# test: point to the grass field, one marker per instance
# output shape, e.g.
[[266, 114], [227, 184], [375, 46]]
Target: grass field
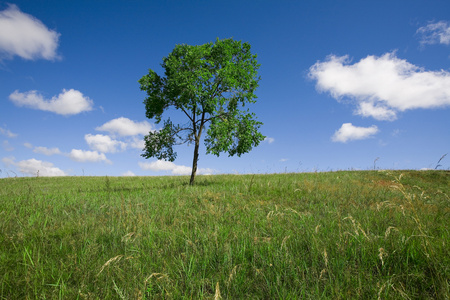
[[334, 235]]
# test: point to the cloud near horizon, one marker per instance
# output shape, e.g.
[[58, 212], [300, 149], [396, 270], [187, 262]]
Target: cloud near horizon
[[25, 36], [380, 87], [35, 167], [128, 173], [349, 132], [162, 165], [69, 102]]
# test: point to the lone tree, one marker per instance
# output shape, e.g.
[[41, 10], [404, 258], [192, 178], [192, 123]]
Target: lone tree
[[210, 84]]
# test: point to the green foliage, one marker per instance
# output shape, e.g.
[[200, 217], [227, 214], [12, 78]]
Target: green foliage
[[209, 83]]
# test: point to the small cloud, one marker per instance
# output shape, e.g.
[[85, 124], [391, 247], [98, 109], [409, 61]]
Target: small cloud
[[8, 161], [35, 167], [46, 151], [7, 146], [435, 33], [104, 143], [396, 132], [283, 159], [28, 145], [87, 156], [382, 143], [269, 140], [25, 36], [128, 173], [69, 102], [126, 127], [7, 133], [380, 87], [348, 132], [162, 165]]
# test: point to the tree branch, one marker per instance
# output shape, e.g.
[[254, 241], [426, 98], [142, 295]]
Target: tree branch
[[218, 116], [182, 109]]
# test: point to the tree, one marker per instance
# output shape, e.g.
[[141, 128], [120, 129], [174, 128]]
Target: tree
[[210, 84]]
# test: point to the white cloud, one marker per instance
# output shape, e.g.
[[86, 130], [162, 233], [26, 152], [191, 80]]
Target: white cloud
[[8, 161], [269, 140], [28, 145], [125, 127], [128, 173], [283, 159], [104, 143], [35, 167], [348, 132], [87, 156], [25, 36], [8, 133], [435, 33], [382, 86], [46, 151], [162, 165], [137, 143], [69, 102]]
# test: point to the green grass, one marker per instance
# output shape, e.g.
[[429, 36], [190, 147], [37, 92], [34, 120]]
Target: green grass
[[335, 235]]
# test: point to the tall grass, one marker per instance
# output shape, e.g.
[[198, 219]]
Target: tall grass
[[336, 235]]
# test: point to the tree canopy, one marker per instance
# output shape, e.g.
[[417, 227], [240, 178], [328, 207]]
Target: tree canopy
[[211, 85]]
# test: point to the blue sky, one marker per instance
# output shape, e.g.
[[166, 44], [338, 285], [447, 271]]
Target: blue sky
[[344, 84]]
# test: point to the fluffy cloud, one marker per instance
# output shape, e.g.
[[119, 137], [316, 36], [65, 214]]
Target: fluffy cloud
[[269, 140], [8, 133], [125, 127], [87, 156], [35, 167], [69, 102], [128, 173], [46, 151], [104, 143], [25, 36], [382, 86], [435, 33], [162, 165], [348, 132]]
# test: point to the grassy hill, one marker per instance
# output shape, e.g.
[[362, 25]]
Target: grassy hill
[[335, 235]]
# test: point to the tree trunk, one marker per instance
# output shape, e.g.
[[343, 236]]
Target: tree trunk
[[194, 162]]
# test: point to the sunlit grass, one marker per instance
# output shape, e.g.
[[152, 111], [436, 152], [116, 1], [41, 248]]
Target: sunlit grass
[[335, 235]]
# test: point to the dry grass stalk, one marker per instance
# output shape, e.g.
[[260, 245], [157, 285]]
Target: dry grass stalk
[[283, 243], [117, 258], [217, 295], [388, 231], [357, 226], [325, 257], [232, 274], [382, 253], [158, 276]]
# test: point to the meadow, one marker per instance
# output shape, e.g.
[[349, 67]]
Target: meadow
[[330, 235]]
